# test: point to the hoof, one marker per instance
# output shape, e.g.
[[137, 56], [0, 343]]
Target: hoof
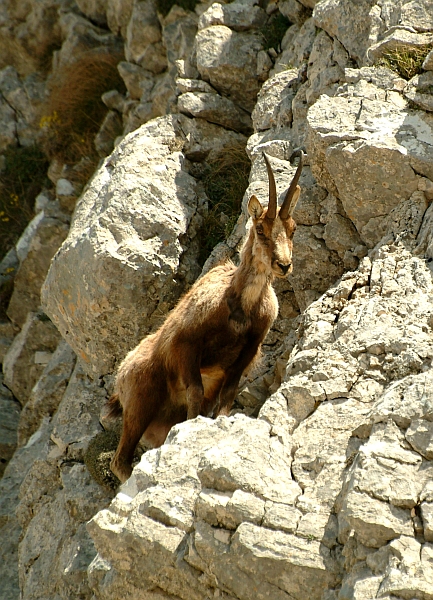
[[121, 469]]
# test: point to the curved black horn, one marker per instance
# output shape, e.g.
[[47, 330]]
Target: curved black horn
[[288, 206], [272, 205]]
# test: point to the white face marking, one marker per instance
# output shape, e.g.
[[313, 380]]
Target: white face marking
[[273, 249]]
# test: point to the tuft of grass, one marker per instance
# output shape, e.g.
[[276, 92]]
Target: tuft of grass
[[405, 60], [225, 183], [274, 31], [164, 6], [75, 110], [23, 176]]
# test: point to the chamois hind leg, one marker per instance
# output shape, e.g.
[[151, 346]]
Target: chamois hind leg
[[144, 395], [132, 429]]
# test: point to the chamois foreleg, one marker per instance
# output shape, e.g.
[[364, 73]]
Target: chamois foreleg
[[188, 369], [233, 375]]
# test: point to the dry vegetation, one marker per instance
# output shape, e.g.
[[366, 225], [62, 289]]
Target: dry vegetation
[[75, 109], [22, 178], [71, 119], [274, 31], [164, 6], [405, 60], [225, 183]]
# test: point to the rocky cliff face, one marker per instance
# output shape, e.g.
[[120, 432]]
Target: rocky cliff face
[[320, 485]]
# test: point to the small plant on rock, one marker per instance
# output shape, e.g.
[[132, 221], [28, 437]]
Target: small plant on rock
[[405, 60]]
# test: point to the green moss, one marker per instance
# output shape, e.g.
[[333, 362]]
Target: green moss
[[405, 60], [225, 183], [274, 31], [98, 457]]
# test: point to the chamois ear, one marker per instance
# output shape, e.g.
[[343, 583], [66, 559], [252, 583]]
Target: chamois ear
[[255, 209]]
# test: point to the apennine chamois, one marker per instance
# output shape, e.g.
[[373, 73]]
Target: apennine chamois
[[192, 365]]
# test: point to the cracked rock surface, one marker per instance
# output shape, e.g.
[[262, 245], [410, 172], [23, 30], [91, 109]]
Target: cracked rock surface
[[330, 486]]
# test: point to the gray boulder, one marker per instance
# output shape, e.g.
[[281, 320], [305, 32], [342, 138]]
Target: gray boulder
[[40, 241], [113, 278], [228, 61], [28, 354], [215, 109], [368, 152]]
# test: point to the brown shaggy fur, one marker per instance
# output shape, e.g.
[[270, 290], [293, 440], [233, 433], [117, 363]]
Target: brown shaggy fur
[[192, 365]]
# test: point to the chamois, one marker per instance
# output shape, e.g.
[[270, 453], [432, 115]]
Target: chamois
[[193, 364]]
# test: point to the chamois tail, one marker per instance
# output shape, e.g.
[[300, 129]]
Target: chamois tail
[[114, 407]]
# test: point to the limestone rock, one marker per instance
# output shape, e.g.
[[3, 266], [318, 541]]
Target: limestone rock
[[239, 16], [309, 3], [178, 35], [274, 102], [20, 102], [143, 38], [206, 140], [76, 421], [133, 237], [80, 35], [419, 436], [211, 453], [427, 65], [294, 11], [326, 62], [419, 91], [382, 77], [44, 235], [417, 15], [185, 85], [10, 528], [410, 577], [139, 82], [355, 142], [47, 393], [215, 109], [399, 38], [95, 10], [20, 369], [7, 333], [110, 129], [118, 15], [10, 411], [427, 517], [228, 61], [296, 45], [349, 22]]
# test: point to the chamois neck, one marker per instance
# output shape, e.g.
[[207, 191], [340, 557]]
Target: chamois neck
[[252, 277]]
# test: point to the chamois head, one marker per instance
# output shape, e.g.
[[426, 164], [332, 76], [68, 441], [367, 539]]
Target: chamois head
[[273, 229]]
